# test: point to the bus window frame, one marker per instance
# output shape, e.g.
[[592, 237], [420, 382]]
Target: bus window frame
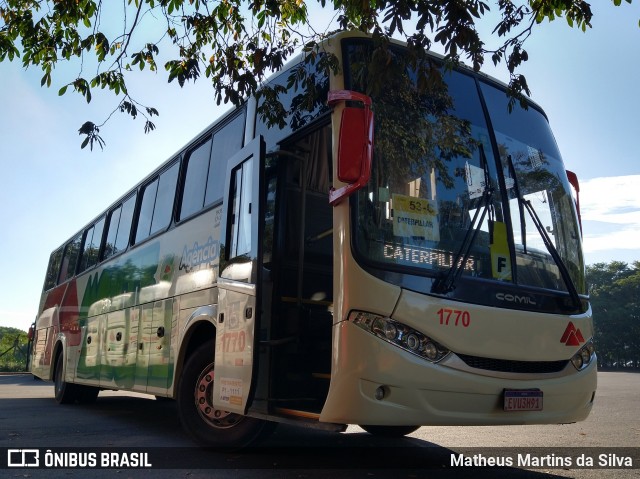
[[120, 205], [49, 285], [133, 236], [186, 161], [208, 135], [70, 274]]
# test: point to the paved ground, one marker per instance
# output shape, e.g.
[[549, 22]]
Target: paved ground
[[30, 419]]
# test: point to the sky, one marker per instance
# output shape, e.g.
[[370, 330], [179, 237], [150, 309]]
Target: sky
[[586, 82]]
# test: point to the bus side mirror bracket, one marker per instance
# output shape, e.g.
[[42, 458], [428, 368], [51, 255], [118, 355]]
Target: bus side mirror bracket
[[355, 144], [573, 181]]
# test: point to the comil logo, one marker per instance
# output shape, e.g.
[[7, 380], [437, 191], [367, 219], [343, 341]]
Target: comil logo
[[514, 298], [572, 336], [23, 458]]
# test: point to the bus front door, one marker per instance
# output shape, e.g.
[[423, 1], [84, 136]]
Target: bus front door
[[239, 280]]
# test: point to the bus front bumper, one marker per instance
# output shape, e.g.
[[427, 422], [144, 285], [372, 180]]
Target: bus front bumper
[[417, 392]]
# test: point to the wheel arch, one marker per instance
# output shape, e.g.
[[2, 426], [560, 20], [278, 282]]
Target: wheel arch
[[199, 329]]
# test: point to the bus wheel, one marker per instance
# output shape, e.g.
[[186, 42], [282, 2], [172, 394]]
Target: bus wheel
[[390, 431], [65, 393], [206, 424]]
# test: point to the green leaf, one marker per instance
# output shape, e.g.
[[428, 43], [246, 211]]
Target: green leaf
[[44, 79], [62, 90]]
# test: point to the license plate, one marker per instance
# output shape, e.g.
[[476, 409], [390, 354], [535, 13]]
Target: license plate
[[522, 400]]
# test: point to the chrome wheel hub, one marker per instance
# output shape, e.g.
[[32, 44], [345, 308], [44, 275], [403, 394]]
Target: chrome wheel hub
[[203, 399]]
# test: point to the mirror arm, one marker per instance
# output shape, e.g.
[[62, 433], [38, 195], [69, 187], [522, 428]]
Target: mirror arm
[[336, 196], [573, 181]]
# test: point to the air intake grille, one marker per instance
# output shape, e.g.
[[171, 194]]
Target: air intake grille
[[508, 366]]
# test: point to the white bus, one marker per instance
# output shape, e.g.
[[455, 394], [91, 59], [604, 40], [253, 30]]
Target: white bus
[[396, 254]]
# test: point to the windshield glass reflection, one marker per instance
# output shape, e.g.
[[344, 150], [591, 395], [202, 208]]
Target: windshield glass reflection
[[428, 174], [526, 142], [434, 171]]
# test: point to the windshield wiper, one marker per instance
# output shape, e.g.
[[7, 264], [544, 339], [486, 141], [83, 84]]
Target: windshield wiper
[[564, 272], [516, 188], [445, 283]]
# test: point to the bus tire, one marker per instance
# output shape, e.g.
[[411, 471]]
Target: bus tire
[[65, 393], [207, 425], [390, 431]]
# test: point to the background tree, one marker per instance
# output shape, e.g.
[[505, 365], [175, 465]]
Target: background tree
[[235, 43], [13, 349], [615, 297]]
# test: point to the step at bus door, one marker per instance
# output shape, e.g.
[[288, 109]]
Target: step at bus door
[[240, 275]]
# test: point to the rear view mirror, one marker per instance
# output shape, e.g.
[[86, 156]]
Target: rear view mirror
[[355, 144]]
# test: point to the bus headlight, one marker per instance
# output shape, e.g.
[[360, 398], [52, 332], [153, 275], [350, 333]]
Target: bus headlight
[[399, 335], [584, 356]]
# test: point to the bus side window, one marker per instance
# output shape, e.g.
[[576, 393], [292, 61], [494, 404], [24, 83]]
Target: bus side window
[[241, 206], [163, 210], [157, 203], [112, 232], [119, 227], [195, 180], [206, 166], [124, 229], [92, 240], [146, 210], [226, 143], [70, 258], [54, 268]]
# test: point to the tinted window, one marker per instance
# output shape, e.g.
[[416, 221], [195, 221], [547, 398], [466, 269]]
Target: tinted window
[[53, 269], [195, 182], [528, 151], [157, 203], [124, 229], [114, 220], [299, 110], [70, 258], [119, 227], [241, 207], [93, 237], [226, 143], [529, 126], [163, 210], [146, 210], [207, 165], [432, 160]]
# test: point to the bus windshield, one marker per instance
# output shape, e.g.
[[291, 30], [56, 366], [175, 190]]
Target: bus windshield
[[436, 200], [528, 151]]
